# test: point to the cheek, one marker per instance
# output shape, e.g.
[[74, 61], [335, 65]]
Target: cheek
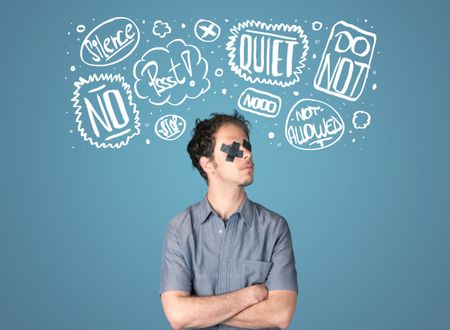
[[228, 167], [222, 156]]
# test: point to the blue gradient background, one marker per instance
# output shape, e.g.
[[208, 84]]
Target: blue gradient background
[[81, 229]]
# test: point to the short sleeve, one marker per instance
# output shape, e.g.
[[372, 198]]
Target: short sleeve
[[283, 274], [175, 272]]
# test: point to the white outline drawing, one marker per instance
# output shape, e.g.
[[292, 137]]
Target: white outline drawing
[[167, 29], [271, 30], [355, 118], [102, 48], [327, 78], [173, 80], [207, 30], [170, 128], [81, 28], [316, 25], [106, 78], [306, 113], [259, 102]]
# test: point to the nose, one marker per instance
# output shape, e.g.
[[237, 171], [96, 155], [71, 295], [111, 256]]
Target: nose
[[247, 153]]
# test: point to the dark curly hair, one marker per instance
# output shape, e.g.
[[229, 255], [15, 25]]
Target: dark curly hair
[[203, 141]]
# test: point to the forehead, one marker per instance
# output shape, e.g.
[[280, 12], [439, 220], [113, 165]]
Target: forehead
[[228, 133]]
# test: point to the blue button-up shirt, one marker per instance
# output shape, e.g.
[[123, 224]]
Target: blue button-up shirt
[[205, 257]]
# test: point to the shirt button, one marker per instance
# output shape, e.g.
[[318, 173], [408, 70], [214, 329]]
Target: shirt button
[[220, 231]]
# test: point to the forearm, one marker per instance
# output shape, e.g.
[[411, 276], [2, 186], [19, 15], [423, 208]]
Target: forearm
[[275, 312], [202, 312], [257, 316]]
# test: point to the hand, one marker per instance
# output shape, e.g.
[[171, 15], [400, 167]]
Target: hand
[[259, 292]]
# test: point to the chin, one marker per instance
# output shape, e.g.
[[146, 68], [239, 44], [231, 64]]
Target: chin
[[247, 182]]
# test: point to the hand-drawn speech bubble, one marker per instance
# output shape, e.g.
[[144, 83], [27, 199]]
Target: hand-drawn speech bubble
[[260, 103], [272, 54], [313, 125], [171, 74], [110, 42], [105, 112], [170, 127], [346, 61]]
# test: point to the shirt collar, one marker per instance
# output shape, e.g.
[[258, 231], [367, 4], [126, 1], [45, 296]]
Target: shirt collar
[[245, 210]]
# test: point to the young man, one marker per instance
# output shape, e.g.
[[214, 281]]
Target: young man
[[227, 262]]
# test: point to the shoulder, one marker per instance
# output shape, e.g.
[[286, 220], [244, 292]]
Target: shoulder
[[268, 217], [184, 222]]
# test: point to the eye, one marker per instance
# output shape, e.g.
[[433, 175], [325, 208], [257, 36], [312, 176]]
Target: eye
[[232, 151], [247, 145]]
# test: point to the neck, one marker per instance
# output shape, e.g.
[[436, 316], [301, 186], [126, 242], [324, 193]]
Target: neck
[[225, 200]]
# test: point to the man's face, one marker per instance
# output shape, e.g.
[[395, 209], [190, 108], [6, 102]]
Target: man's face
[[233, 164]]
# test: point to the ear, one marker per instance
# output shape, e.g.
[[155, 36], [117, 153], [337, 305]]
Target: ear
[[207, 165]]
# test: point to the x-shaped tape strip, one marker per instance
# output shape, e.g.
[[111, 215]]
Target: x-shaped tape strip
[[247, 145], [232, 151]]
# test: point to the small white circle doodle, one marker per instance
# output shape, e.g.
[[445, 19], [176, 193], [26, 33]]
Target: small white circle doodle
[[81, 28], [316, 25]]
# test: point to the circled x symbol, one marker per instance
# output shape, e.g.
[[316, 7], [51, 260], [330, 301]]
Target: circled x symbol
[[206, 31]]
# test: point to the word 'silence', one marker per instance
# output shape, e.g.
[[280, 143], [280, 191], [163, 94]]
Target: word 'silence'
[[110, 42]]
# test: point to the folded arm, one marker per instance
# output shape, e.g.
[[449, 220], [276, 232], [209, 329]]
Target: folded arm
[[276, 311], [185, 311]]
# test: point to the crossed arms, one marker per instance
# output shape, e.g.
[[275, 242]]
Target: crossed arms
[[252, 307]]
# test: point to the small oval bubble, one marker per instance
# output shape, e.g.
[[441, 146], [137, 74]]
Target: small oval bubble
[[81, 28]]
